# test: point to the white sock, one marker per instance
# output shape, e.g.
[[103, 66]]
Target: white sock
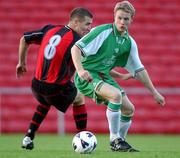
[[124, 127], [113, 118]]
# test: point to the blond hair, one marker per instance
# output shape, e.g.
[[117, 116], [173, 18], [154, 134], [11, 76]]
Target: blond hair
[[125, 6]]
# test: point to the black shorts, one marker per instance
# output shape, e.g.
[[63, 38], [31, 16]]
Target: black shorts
[[60, 96]]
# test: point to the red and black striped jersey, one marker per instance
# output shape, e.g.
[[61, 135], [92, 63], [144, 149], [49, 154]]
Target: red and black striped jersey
[[54, 62]]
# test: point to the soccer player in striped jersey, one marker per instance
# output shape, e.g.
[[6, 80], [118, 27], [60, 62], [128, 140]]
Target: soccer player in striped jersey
[[104, 48], [52, 83]]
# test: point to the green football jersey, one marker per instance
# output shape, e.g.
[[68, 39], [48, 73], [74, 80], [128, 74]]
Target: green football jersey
[[104, 48]]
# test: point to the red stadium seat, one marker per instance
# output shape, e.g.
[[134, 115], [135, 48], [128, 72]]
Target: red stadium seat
[[155, 28]]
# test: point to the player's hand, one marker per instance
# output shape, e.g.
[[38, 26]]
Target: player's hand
[[20, 70], [85, 75], [159, 98]]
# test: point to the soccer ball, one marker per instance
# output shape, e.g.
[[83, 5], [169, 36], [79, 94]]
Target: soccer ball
[[84, 142]]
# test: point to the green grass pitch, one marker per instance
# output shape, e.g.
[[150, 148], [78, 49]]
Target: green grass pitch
[[59, 146]]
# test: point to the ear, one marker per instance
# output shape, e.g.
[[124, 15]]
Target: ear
[[131, 20], [76, 20]]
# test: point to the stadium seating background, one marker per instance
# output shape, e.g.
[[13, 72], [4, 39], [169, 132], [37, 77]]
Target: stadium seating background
[[155, 28]]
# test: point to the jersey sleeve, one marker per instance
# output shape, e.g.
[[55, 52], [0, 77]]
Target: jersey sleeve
[[90, 43], [134, 63], [36, 36]]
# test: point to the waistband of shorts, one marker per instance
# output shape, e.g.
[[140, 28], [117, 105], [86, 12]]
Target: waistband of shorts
[[49, 84]]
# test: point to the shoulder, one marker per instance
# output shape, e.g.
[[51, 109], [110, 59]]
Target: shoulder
[[48, 26], [102, 28], [51, 26], [100, 31], [133, 42]]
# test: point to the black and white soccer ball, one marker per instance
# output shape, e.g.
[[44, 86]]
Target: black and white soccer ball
[[84, 142]]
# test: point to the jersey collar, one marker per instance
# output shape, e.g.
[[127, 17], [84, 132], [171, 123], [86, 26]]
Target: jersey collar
[[72, 30]]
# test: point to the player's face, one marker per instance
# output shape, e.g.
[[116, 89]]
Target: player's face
[[83, 27], [122, 20]]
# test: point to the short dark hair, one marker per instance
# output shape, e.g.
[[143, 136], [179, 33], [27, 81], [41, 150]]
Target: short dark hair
[[80, 13]]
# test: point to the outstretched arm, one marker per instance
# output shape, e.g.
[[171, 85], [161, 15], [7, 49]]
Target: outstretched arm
[[76, 57], [21, 66], [144, 78]]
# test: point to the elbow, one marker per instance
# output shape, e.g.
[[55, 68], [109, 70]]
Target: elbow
[[72, 49], [139, 72], [22, 39], [142, 76], [23, 42]]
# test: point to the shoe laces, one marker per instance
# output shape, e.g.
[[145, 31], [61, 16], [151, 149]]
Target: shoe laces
[[119, 143], [123, 142]]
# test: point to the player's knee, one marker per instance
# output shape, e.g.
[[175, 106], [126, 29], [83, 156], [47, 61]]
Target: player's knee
[[116, 97], [128, 111], [79, 100]]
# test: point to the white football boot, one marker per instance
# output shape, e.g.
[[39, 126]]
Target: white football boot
[[27, 143]]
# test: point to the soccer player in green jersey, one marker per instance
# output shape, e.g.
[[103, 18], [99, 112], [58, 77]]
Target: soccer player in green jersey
[[95, 55]]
